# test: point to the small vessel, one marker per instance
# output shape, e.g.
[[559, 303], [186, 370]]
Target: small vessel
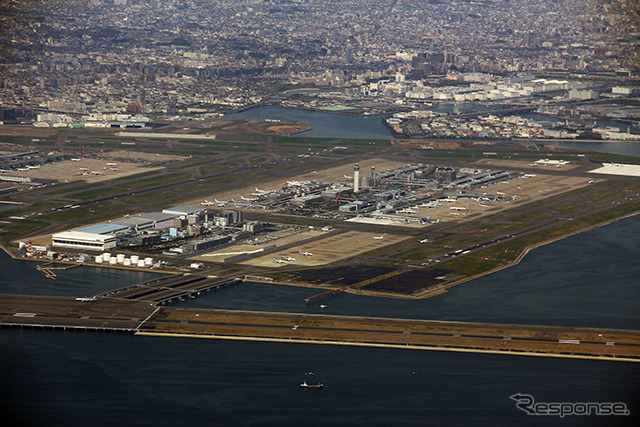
[[305, 385]]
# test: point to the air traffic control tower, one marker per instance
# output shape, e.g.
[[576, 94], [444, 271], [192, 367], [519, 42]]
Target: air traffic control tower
[[356, 178]]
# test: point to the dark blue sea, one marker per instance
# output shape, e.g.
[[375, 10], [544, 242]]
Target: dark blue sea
[[92, 379]]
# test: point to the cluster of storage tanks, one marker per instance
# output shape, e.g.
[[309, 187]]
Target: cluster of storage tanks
[[120, 259]]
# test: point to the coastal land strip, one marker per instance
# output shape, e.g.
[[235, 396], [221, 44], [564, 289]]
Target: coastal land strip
[[107, 314], [553, 341]]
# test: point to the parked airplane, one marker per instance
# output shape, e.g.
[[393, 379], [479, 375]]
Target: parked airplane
[[279, 261], [6, 170], [78, 159], [454, 213], [207, 203], [84, 169], [98, 173], [457, 208], [86, 299], [304, 253], [112, 164], [248, 199], [287, 258], [378, 237], [33, 167], [348, 178], [259, 191], [423, 241], [22, 169], [483, 206]]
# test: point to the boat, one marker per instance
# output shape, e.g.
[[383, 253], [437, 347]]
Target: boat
[[305, 385]]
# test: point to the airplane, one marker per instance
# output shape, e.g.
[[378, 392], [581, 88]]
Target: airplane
[[76, 159], [499, 193], [287, 258], [304, 253], [423, 241], [483, 206], [84, 169], [259, 191], [457, 208], [248, 199], [86, 299], [114, 169], [378, 237], [98, 173], [22, 169], [207, 203], [279, 261], [348, 178], [33, 167], [454, 213], [112, 164], [292, 183], [590, 181], [6, 170]]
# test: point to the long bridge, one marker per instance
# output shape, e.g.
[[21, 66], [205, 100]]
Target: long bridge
[[165, 290]]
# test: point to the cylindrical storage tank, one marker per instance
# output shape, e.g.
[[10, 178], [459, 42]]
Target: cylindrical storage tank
[[135, 259], [106, 256], [113, 261], [140, 263], [120, 258], [148, 261], [126, 261], [99, 259]]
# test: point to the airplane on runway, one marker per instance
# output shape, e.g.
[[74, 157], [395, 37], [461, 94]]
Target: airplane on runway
[[423, 241], [86, 299], [279, 261], [378, 237], [304, 253], [287, 258]]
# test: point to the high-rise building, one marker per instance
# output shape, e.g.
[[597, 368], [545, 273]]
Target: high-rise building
[[348, 54]]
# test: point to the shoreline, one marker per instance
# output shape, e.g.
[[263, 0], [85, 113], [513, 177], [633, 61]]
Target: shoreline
[[439, 290], [381, 345]]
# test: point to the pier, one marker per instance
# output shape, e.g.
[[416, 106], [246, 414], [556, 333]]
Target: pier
[[319, 296]]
